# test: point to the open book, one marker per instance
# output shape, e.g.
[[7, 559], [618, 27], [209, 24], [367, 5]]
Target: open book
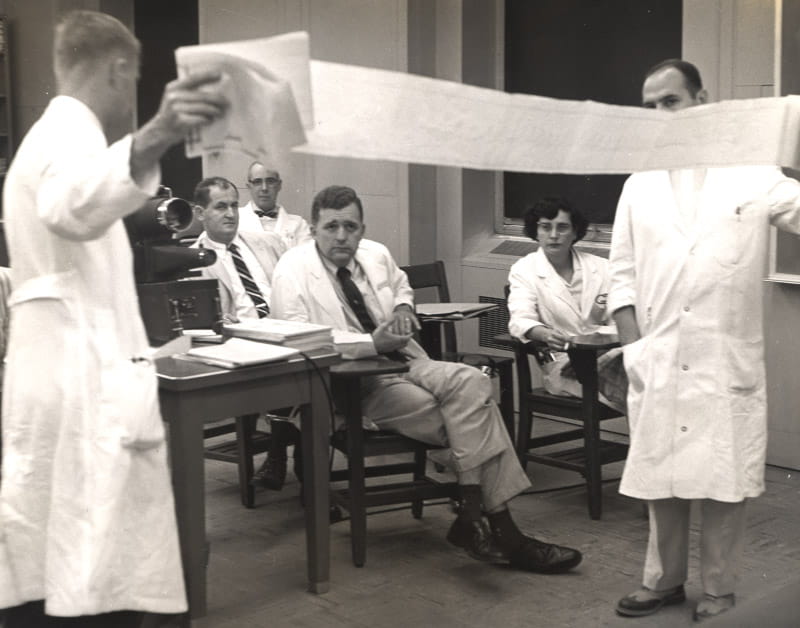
[[452, 311], [237, 352]]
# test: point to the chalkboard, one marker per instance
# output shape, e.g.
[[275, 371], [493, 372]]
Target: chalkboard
[[583, 50]]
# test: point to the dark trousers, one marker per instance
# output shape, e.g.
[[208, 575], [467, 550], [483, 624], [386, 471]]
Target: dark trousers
[[31, 615]]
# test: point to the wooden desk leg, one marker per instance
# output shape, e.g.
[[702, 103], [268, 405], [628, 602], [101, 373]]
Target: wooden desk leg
[[315, 427], [188, 483], [585, 363]]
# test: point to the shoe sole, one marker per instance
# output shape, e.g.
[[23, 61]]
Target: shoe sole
[[550, 569], [667, 601]]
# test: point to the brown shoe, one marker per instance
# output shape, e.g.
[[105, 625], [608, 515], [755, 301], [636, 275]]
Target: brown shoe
[[646, 601]]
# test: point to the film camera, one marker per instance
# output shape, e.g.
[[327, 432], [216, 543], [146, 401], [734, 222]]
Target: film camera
[[170, 300]]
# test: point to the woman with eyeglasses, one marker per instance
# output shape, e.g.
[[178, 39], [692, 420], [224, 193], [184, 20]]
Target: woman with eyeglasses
[[558, 291]]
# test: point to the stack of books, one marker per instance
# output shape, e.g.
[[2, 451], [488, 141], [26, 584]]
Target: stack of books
[[302, 336]]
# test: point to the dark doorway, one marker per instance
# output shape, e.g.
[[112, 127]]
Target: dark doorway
[[162, 27]]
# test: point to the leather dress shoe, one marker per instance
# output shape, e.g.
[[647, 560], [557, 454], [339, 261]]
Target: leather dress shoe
[[546, 558], [646, 602], [476, 538], [272, 473]]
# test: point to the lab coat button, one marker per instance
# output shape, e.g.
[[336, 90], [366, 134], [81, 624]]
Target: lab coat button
[[686, 308], [683, 428], [685, 367]]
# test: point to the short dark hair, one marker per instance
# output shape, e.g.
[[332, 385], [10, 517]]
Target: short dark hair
[[335, 197], [202, 195], [548, 207], [83, 37], [691, 75]]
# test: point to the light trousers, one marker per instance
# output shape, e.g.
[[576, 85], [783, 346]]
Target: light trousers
[[450, 404], [721, 539]]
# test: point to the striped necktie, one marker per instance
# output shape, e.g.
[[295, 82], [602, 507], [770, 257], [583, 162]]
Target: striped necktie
[[250, 286]]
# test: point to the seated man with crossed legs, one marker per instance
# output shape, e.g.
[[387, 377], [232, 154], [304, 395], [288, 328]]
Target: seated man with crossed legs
[[353, 284]]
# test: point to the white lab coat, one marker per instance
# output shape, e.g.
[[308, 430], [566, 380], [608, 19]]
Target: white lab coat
[[87, 519], [302, 291], [267, 249], [292, 229], [696, 400], [539, 296]]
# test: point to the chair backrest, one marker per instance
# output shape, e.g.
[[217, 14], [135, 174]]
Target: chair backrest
[[434, 275]]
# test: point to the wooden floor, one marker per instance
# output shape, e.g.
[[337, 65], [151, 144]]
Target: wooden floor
[[413, 578]]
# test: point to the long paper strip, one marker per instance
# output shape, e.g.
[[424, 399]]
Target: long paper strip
[[377, 114]]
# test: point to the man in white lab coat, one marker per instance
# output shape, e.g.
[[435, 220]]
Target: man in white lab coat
[[87, 522], [263, 212], [687, 259], [354, 285]]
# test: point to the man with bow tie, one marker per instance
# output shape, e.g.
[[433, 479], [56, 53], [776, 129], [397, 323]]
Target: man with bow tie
[[264, 213]]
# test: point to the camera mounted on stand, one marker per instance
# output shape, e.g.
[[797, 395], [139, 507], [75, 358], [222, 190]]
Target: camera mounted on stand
[[170, 300]]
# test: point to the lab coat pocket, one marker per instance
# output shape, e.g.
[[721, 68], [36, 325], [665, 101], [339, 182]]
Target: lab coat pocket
[[745, 365], [632, 360], [129, 402], [734, 231]]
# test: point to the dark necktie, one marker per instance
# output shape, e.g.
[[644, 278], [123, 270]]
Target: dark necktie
[[355, 300], [250, 286], [262, 214]]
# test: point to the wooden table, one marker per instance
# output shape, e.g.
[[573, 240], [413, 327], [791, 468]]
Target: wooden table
[[192, 394]]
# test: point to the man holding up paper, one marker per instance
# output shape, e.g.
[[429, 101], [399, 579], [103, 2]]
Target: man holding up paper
[[87, 519], [355, 286], [687, 259]]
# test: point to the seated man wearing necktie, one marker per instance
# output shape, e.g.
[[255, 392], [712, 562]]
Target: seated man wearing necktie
[[243, 270], [245, 260], [353, 284], [263, 212]]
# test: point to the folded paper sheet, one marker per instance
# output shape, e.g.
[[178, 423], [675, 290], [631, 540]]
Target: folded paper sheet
[[351, 111]]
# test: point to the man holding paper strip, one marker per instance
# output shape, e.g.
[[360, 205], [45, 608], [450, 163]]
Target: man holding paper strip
[[87, 519], [687, 260], [355, 286]]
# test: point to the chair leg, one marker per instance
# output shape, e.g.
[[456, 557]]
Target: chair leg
[[524, 430], [420, 460], [356, 481], [506, 378], [245, 428]]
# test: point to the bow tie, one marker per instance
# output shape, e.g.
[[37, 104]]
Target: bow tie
[[263, 214]]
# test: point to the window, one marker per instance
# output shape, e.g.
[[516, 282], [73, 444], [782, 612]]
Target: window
[[581, 50]]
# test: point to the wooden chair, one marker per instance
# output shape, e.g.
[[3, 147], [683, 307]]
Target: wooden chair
[[591, 452], [359, 444], [240, 450], [434, 275]]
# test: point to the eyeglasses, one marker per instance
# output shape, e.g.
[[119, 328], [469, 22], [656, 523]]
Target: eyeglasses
[[547, 227], [269, 181]]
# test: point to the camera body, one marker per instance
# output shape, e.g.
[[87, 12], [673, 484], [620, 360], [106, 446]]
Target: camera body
[[170, 300]]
